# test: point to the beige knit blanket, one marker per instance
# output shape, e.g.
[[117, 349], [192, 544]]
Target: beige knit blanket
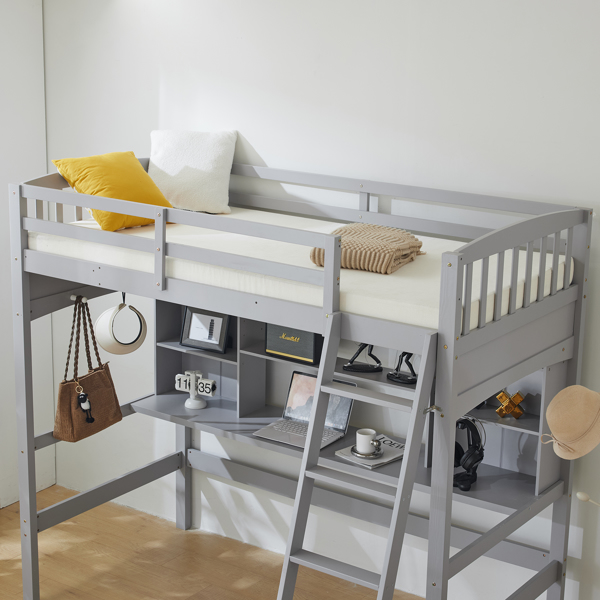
[[373, 248]]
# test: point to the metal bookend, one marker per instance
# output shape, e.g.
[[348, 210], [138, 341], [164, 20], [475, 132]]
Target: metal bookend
[[398, 377], [363, 367]]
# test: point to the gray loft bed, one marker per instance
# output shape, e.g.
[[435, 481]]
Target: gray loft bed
[[469, 365]]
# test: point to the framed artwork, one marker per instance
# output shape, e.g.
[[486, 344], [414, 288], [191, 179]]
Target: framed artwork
[[205, 330]]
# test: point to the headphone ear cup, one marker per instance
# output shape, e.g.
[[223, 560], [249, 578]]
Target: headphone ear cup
[[471, 458], [458, 454]]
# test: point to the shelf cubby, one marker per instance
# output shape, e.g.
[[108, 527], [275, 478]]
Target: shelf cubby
[[251, 381], [230, 355]]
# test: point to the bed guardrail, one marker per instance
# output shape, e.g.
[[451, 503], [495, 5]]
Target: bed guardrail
[[44, 205], [544, 233], [531, 326]]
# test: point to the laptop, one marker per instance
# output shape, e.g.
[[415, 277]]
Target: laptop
[[293, 427]]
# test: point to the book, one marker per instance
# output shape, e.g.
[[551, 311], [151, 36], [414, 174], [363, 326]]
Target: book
[[392, 450]]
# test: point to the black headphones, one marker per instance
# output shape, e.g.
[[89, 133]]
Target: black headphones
[[470, 459]]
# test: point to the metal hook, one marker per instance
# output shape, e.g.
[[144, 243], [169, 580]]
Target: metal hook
[[432, 408]]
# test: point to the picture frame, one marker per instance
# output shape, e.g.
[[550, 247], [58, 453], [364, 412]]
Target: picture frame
[[205, 330]]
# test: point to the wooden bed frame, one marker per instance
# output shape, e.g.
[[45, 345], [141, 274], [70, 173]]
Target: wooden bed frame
[[471, 365]]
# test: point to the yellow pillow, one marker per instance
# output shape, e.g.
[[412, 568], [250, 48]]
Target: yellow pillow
[[115, 175]]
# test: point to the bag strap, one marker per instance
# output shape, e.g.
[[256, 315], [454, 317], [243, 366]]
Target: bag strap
[[86, 312], [81, 312], [76, 318]]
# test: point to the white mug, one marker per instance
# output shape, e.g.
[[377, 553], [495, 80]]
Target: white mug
[[366, 442]]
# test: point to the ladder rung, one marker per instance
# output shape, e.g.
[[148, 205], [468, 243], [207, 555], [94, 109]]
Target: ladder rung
[[364, 395], [336, 568], [352, 482]]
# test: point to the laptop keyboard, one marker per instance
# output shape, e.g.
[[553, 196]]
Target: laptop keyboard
[[301, 429]]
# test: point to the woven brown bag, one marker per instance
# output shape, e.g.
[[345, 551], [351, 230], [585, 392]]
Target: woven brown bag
[[87, 404]]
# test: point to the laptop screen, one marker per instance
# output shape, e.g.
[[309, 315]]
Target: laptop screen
[[300, 399]]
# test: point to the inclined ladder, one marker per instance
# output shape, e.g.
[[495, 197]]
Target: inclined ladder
[[416, 402]]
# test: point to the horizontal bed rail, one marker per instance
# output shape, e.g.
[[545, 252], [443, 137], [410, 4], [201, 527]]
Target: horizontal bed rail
[[50, 222], [365, 186]]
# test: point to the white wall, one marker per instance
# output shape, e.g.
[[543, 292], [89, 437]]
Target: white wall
[[500, 98], [22, 156]]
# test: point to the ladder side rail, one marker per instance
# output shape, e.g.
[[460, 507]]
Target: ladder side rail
[[310, 457], [408, 470]]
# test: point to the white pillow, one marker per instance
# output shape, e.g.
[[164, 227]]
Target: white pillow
[[192, 168]]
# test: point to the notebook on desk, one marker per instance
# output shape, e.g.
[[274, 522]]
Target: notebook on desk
[[292, 428]]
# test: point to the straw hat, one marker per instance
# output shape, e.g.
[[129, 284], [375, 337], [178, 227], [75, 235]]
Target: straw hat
[[574, 420]]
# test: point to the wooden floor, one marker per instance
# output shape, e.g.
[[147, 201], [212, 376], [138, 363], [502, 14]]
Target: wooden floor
[[118, 553]]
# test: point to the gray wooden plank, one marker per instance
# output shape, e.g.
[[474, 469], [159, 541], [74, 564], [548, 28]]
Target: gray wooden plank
[[408, 470], [528, 275], [54, 181], [331, 276], [539, 583], [371, 511], [528, 424], [555, 257], [520, 233], [557, 353], [521, 318], [186, 293], [351, 482], [230, 355], [123, 207], [502, 530], [246, 263], [71, 507], [514, 278], [112, 238], [183, 479], [310, 457], [398, 402], [499, 287], [444, 431], [542, 268], [51, 303], [483, 292], [440, 227], [397, 336], [263, 230], [336, 568], [466, 321], [568, 257], [24, 395], [160, 234], [393, 189]]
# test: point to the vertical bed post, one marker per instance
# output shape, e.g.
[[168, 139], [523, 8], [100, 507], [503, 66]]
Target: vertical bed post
[[331, 290], [444, 431], [24, 396], [183, 481], [561, 511]]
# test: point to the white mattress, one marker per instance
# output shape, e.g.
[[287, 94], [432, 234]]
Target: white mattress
[[410, 295]]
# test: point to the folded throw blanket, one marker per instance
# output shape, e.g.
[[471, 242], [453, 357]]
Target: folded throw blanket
[[373, 248]]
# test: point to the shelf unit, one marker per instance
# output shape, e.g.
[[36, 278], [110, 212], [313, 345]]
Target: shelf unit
[[240, 408]]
